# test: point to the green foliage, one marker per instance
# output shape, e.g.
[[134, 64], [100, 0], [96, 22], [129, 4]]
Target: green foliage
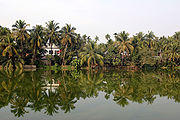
[[90, 56], [75, 63], [12, 58], [29, 45], [67, 38]]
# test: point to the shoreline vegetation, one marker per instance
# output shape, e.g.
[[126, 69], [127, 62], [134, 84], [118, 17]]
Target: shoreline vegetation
[[21, 46]]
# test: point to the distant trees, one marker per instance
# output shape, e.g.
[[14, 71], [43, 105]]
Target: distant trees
[[121, 50]]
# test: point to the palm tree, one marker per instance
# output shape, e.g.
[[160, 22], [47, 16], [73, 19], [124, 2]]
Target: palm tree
[[138, 40], [3, 36], [173, 49], [109, 40], [123, 43], [3, 33], [13, 58], [36, 40], [67, 37], [96, 38], [52, 33], [21, 32], [176, 36], [161, 46], [90, 55], [149, 39]]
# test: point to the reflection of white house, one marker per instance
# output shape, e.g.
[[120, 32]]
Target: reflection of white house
[[51, 85], [54, 51]]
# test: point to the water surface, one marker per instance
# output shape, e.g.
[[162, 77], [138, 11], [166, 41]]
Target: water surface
[[90, 95]]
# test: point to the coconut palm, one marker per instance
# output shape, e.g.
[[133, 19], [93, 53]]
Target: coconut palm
[[176, 36], [67, 37], [109, 40], [36, 40], [13, 58], [90, 56], [161, 47], [21, 32], [123, 43], [173, 49], [3, 33], [3, 36], [52, 33], [149, 39], [138, 40]]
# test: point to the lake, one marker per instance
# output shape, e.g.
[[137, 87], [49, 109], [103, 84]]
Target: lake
[[90, 95]]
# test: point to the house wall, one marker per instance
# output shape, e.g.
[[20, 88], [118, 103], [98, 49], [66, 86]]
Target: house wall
[[54, 52]]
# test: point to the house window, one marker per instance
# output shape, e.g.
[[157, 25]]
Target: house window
[[50, 51], [56, 52]]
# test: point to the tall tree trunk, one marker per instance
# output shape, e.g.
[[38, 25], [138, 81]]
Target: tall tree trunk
[[21, 44], [22, 54], [64, 54], [51, 55], [34, 56], [123, 59], [13, 62]]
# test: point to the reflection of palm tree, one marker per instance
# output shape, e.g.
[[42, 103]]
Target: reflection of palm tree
[[91, 83], [51, 102], [67, 92], [67, 101], [36, 96], [18, 105], [124, 86], [122, 94], [9, 85]]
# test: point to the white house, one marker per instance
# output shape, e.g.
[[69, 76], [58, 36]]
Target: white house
[[55, 50]]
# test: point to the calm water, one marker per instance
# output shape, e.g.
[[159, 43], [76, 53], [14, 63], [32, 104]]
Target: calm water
[[90, 95]]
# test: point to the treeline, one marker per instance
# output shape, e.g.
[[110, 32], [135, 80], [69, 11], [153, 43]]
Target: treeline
[[22, 45]]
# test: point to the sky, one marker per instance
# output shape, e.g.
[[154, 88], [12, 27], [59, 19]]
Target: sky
[[97, 17]]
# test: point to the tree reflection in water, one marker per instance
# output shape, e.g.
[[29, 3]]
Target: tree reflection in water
[[24, 90]]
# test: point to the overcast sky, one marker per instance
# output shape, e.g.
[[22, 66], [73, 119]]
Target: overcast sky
[[97, 17]]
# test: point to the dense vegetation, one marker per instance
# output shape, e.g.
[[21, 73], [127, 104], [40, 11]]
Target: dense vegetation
[[25, 91], [22, 45]]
